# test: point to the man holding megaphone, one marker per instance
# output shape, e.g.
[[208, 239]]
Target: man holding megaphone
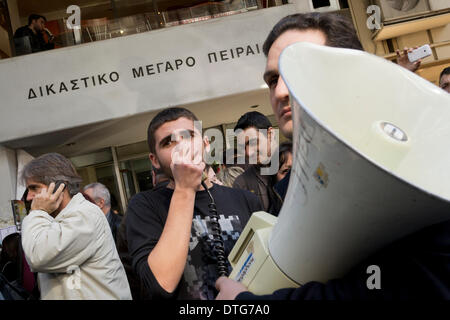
[[414, 267]]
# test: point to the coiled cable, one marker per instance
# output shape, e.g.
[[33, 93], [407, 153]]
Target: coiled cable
[[218, 245]]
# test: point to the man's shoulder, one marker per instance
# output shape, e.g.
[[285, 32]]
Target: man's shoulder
[[150, 195], [81, 208], [244, 177], [150, 199], [234, 193], [237, 200], [281, 186], [225, 190], [248, 179], [115, 217], [239, 181], [84, 205], [22, 31], [251, 171]]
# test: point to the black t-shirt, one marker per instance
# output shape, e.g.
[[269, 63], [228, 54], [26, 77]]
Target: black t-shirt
[[146, 216]]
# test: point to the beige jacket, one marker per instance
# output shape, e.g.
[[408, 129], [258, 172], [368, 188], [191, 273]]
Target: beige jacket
[[74, 254]]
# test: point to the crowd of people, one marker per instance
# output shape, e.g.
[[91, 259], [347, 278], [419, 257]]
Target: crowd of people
[[172, 240]]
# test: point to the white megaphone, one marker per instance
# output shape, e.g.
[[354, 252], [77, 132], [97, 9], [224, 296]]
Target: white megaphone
[[371, 157]]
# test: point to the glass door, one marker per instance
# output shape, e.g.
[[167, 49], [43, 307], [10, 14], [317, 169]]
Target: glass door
[[136, 175]]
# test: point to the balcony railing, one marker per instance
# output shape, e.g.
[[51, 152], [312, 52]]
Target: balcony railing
[[103, 29], [206, 11]]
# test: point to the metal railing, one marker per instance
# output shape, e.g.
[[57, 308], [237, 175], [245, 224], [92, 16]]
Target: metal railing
[[103, 29]]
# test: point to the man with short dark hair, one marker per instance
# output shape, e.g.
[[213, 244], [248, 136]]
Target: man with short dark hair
[[324, 29], [414, 267], [34, 31], [257, 134], [332, 30], [173, 237], [444, 79], [66, 238]]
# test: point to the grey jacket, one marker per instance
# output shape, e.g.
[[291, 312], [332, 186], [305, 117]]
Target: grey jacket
[[74, 254]]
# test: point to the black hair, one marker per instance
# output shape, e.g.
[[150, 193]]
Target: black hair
[[170, 114], [444, 72], [283, 150], [338, 29], [35, 16], [10, 249], [253, 119]]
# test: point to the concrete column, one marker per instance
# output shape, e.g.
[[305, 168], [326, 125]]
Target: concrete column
[[14, 16], [8, 172], [5, 43], [123, 198], [92, 174]]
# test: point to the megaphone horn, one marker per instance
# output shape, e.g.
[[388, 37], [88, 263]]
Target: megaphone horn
[[370, 164]]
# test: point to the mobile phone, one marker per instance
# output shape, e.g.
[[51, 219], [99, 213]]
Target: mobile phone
[[58, 183], [48, 32], [419, 53]]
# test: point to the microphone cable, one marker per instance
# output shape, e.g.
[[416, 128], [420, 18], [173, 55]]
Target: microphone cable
[[218, 245]]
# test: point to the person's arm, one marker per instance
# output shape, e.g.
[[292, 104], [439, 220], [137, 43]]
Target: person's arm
[[144, 225], [310, 291], [168, 258], [415, 267], [229, 289], [54, 244], [340, 289], [233, 290]]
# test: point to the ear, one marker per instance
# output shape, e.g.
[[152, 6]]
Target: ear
[[101, 203], [154, 160]]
